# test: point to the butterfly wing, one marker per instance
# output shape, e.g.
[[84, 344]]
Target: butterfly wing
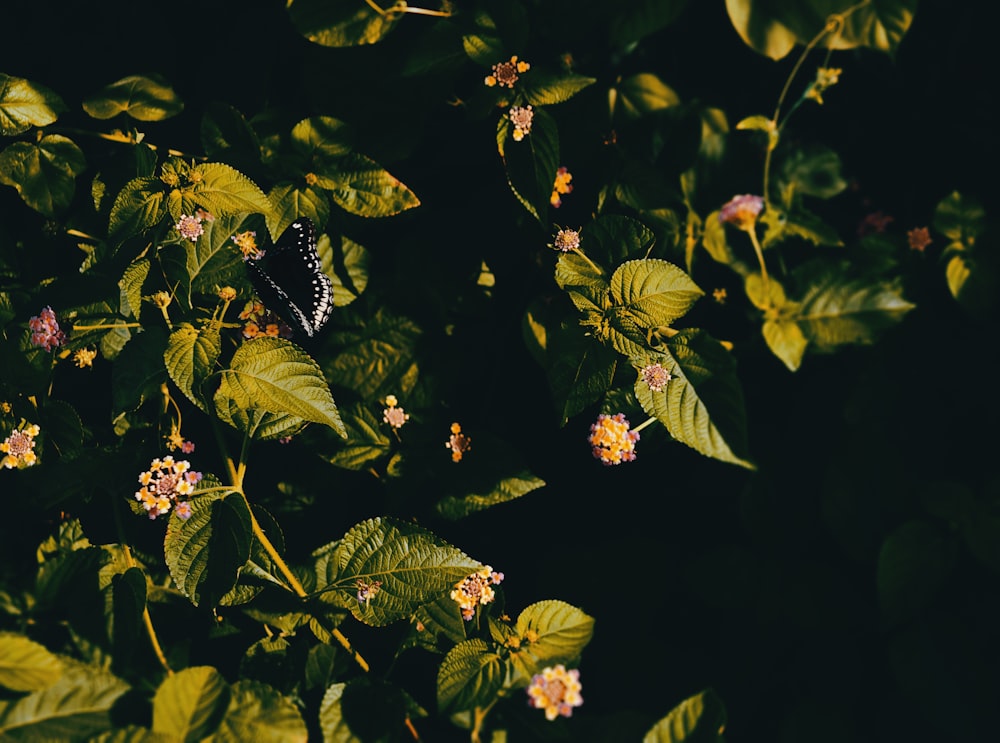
[[290, 279]]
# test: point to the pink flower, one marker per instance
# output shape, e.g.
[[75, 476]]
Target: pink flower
[[45, 332], [742, 211]]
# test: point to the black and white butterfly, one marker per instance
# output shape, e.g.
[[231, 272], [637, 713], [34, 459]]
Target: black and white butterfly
[[290, 281]]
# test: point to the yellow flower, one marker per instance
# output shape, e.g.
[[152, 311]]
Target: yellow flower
[[85, 357], [19, 448], [505, 74]]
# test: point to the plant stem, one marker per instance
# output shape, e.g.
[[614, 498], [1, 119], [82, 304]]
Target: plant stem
[[760, 259], [593, 265]]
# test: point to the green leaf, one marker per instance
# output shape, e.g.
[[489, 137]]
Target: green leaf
[[469, 676], [338, 25], [24, 104], [531, 164], [813, 171], [361, 186], [702, 405], [639, 94], [322, 137], [503, 491], [43, 173], [131, 284], [190, 358], [331, 717], [961, 219], [837, 310], [289, 202], [698, 719], [226, 130], [774, 28], [206, 553], [138, 371], [786, 341], [273, 375], [223, 191], [132, 734], [413, 565], [137, 207], [375, 356], [129, 602], [25, 665], [259, 713], [914, 564], [209, 263], [580, 371], [545, 88], [63, 427], [142, 98], [651, 292], [189, 704], [552, 632], [366, 440], [635, 19], [73, 708], [347, 264]]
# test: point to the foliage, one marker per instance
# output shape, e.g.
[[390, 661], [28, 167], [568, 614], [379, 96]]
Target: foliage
[[305, 553]]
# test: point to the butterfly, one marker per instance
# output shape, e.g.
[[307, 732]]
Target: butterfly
[[290, 281]]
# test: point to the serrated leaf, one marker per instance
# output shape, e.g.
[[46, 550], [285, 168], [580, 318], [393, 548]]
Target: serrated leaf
[[132, 734], [72, 708], [413, 566], [222, 190], [377, 354], [275, 376], [142, 98], [542, 88], [138, 370], [698, 719], [321, 137], [24, 104], [640, 94], [551, 632], [289, 202], [531, 164], [259, 713], [507, 489], [26, 665], [346, 263], [225, 130], [702, 405], [361, 186], [839, 311], [190, 357], [331, 717], [580, 371], [131, 284], [773, 29], [206, 552], [207, 264], [63, 427], [43, 172], [654, 291], [469, 676], [339, 25], [137, 207], [366, 440], [189, 704]]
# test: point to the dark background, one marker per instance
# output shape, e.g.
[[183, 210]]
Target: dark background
[[761, 586]]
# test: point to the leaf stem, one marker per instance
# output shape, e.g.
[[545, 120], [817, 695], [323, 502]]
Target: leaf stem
[[760, 259], [593, 265]]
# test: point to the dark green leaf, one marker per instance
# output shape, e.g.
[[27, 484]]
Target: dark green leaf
[[189, 704], [142, 98], [698, 719], [43, 173], [24, 104]]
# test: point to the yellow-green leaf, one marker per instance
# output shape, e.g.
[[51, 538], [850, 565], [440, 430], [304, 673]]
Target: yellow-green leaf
[[143, 98], [24, 104]]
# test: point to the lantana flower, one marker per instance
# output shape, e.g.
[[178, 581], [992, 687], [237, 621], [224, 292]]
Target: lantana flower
[[18, 448], [190, 227], [458, 442], [84, 357], [556, 690], [566, 240], [45, 332], [521, 117], [176, 441], [561, 186], [742, 211], [247, 243], [919, 238], [367, 590], [476, 590], [874, 223], [655, 377], [505, 74], [167, 483], [263, 322], [392, 414], [611, 439]]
